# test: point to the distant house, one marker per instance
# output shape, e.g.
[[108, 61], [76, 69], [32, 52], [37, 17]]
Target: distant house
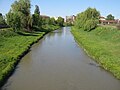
[[103, 21], [70, 18], [44, 16]]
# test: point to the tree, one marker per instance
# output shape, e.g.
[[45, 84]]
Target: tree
[[36, 17], [110, 17], [52, 21], [45, 20], [13, 20], [20, 14], [90, 25], [87, 19], [37, 10], [60, 21], [2, 20]]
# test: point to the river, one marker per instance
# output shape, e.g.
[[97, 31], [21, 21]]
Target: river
[[56, 62]]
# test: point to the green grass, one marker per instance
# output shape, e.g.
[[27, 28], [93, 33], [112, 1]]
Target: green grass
[[12, 47], [103, 44]]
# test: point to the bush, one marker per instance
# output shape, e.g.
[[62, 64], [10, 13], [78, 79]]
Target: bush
[[90, 25]]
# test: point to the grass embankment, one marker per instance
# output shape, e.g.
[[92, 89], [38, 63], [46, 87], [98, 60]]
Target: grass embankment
[[12, 47], [103, 44]]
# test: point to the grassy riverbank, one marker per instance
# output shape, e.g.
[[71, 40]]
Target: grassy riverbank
[[13, 46], [102, 44]]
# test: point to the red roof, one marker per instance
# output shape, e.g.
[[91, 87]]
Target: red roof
[[111, 21]]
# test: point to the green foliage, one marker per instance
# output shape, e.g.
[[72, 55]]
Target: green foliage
[[110, 17], [7, 33], [90, 25], [13, 20], [45, 20], [37, 10], [89, 16], [19, 15], [68, 24], [2, 20], [48, 28], [36, 17], [60, 21], [52, 21], [103, 44]]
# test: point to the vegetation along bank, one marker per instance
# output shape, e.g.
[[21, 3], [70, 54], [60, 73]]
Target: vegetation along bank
[[23, 29], [100, 42]]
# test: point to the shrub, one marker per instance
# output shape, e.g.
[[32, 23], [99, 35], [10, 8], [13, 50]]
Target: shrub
[[90, 25]]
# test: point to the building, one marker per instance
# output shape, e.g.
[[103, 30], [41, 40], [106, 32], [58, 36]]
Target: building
[[44, 16], [70, 19], [103, 21]]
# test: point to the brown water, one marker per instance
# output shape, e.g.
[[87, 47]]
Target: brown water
[[57, 63]]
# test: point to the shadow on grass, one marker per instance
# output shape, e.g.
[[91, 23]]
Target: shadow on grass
[[27, 34]]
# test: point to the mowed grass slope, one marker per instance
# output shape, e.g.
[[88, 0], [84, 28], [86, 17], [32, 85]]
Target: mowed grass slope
[[103, 44], [12, 47]]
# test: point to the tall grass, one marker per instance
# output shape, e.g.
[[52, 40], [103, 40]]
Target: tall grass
[[103, 44], [12, 47]]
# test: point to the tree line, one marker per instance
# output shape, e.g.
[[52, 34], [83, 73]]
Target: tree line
[[89, 19], [20, 18]]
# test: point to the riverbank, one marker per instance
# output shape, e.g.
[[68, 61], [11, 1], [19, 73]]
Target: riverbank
[[103, 45], [13, 46]]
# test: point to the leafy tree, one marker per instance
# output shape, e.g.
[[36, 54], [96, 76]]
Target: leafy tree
[[36, 17], [20, 14], [13, 20], [2, 20], [90, 25], [68, 24], [52, 21], [37, 10], [87, 19], [110, 17], [60, 21], [80, 20], [45, 20]]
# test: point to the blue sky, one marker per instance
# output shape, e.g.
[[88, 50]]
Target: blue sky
[[68, 7]]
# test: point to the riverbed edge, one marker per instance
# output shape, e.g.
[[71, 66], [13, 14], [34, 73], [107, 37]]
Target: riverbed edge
[[19, 57], [80, 44]]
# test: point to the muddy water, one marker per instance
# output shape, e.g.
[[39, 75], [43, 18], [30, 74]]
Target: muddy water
[[57, 63]]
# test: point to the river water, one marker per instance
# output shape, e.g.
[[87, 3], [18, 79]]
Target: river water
[[56, 62]]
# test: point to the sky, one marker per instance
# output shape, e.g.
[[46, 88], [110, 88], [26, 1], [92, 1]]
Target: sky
[[68, 7]]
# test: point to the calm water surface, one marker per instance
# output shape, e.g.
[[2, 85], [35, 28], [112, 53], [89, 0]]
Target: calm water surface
[[56, 62]]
